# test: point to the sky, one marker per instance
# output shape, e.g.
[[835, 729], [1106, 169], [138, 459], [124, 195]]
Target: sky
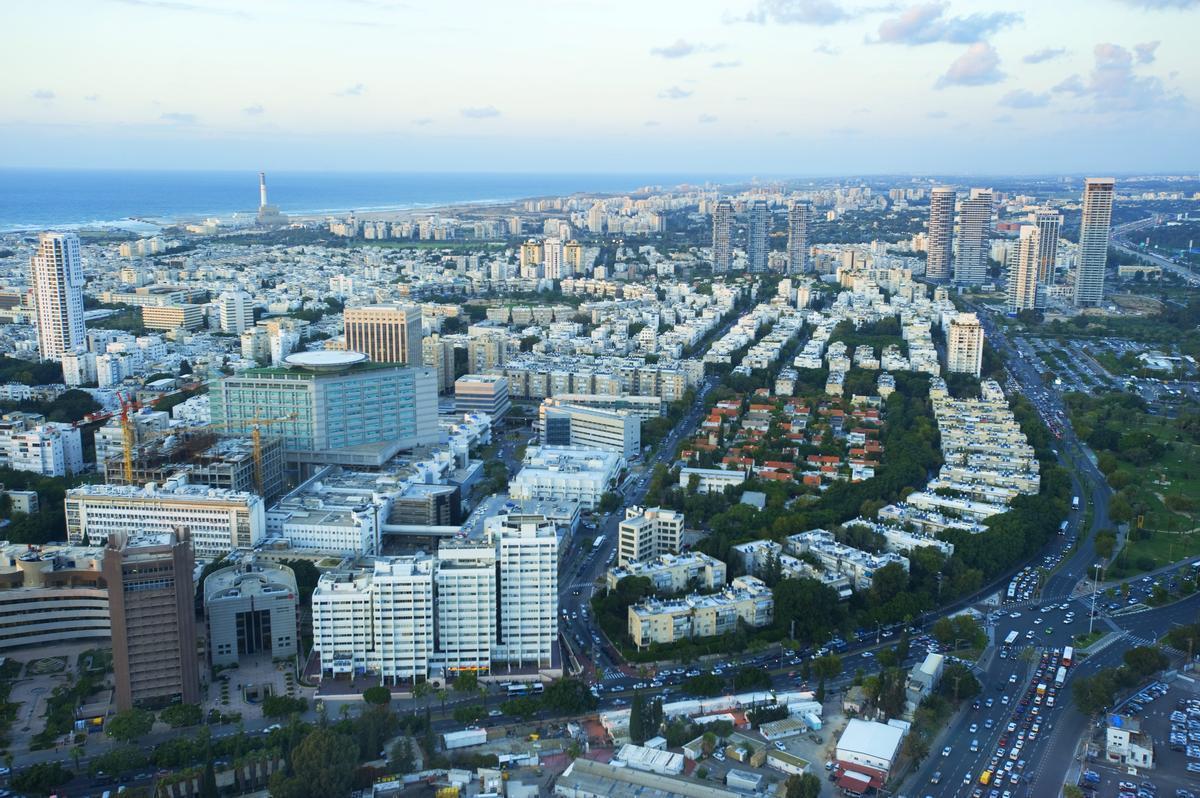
[[762, 87]]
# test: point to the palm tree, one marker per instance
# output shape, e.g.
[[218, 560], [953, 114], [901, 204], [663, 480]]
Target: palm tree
[[422, 690], [76, 755], [442, 694]]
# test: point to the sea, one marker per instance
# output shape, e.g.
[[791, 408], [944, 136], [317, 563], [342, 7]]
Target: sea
[[142, 200]]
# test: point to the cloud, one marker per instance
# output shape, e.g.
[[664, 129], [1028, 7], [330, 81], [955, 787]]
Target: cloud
[[798, 12], [650, 123], [825, 48], [179, 118], [978, 66], [253, 110], [481, 112], [681, 49], [351, 91], [1003, 119], [1162, 5], [706, 119], [423, 121], [1048, 54], [1113, 86], [1146, 51], [91, 97], [926, 24], [936, 114], [194, 8], [726, 64], [1023, 98], [674, 93], [43, 94]]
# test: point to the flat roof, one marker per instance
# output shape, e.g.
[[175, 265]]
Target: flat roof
[[325, 360], [877, 740]]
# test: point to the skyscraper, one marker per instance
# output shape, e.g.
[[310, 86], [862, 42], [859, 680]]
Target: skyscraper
[[385, 333], [235, 311], [722, 237], [974, 230], [797, 245], [1049, 223], [56, 275], [1023, 262], [552, 259], [756, 249], [964, 347], [1093, 240], [941, 233]]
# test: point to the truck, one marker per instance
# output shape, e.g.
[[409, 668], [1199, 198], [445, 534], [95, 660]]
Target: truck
[[1060, 677], [1011, 638], [464, 739], [1074, 502], [1041, 689], [1062, 528], [985, 778], [1068, 656]]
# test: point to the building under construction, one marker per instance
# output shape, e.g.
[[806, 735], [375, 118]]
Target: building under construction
[[208, 459]]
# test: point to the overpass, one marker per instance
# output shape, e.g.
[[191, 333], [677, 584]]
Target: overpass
[[420, 530]]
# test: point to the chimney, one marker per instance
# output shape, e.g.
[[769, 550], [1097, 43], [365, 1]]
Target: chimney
[[262, 189]]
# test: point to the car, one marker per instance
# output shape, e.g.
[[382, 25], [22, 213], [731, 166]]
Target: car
[[495, 713], [779, 746], [946, 751], [1012, 679], [974, 728]]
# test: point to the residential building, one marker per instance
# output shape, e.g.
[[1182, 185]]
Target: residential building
[[710, 480], [567, 472], [30, 443], [747, 600], [1049, 224], [235, 312], [1024, 263], [252, 607], [1126, 743], [840, 559], [964, 345], [218, 521], [465, 581], [527, 606], [332, 408], [573, 425], [482, 393], [438, 354], [56, 281], [974, 232], [1093, 240], [941, 233], [722, 246], [797, 243], [152, 604], [485, 351], [674, 573], [757, 232], [553, 267], [385, 333], [647, 533]]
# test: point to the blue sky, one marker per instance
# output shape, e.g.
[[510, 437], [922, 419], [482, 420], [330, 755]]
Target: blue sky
[[772, 87]]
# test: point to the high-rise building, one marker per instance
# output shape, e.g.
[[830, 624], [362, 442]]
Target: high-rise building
[[332, 408], [385, 333], [56, 277], [941, 233], [964, 346], [235, 312], [152, 604], [1049, 223], [1023, 262], [722, 237], [797, 244], [466, 604], [597, 217], [486, 350], [438, 354], [482, 393], [552, 259], [527, 550], [756, 244], [647, 533], [573, 258], [1093, 240], [974, 232]]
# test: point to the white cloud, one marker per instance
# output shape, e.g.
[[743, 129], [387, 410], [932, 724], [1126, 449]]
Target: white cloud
[[352, 91], [674, 93], [927, 23], [481, 112], [978, 66], [1023, 98], [43, 94]]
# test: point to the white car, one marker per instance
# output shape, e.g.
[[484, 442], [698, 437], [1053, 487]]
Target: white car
[[946, 751], [780, 746]]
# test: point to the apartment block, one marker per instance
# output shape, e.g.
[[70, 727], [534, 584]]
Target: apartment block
[[563, 424], [838, 558], [647, 533], [172, 317], [30, 443], [673, 573], [746, 600]]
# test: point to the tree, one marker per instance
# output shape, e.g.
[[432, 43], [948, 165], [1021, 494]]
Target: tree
[[1072, 791], [706, 684], [751, 679], [466, 682], [179, 715], [322, 765], [130, 725], [378, 695], [806, 786], [1145, 660], [42, 778], [637, 719], [402, 760], [208, 781], [279, 706]]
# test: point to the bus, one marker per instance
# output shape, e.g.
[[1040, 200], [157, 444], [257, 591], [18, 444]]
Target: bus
[[1074, 502], [1068, 655], [1060, 677], [597, 543], [1012, 589], [1062, 529], [1012, 638]]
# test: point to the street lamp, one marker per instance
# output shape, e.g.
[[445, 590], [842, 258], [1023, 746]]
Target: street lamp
[[1095, 583]]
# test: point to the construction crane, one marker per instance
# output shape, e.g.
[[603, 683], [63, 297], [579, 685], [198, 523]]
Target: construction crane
[[128, 404], [257, 422]]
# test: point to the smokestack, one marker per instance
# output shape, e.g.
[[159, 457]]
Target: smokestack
[[262, 189]]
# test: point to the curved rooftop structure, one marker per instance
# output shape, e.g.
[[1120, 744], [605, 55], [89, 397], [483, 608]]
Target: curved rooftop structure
[[325, 360]]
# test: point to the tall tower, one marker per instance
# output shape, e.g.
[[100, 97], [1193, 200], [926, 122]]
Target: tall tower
[[385, 333], [974, 230], [964, 345], [941, 233], [56, 275], [1048, 223], [797, 245], [722, 237], [1093, 240], [262, 189], [1023, 266], [756, 246]]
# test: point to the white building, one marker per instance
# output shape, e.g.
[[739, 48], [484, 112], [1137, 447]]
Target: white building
[[235, 312], [56, 279], [567, 472], [964, 345], [527, 550], [30, 443], [572, 425], [466, 604], [647, 533], [710, 480], [1023, 264]]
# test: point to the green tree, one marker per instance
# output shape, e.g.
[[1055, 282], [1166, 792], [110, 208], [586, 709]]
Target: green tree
[[130, 725], [378, 695], [637, 719], [179, 715], [42, 778], [403, 760], [322, 765], [806, 786], [208, 781]]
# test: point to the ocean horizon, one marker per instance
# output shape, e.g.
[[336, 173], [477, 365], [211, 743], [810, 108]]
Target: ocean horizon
[[36, 199]]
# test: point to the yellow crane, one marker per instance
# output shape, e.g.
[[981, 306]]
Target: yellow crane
[[255, 438]]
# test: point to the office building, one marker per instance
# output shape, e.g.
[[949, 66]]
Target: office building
[[482, 393], [722, 246], [1049, 225], [974, 234], [152, 604], [385, 333], [218, 521], [172, 317], [235, 312], [647, 533], [251, 608], [567, 472], [56, 281], [1093, 240], [757, 232], [438, 354], [1024, 262], [941, 233], [865, 754], [797, 243], [591, 428], [964, 345], [332, 408], [51, 595], [527, 553], [30, 443], [466, 605]]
